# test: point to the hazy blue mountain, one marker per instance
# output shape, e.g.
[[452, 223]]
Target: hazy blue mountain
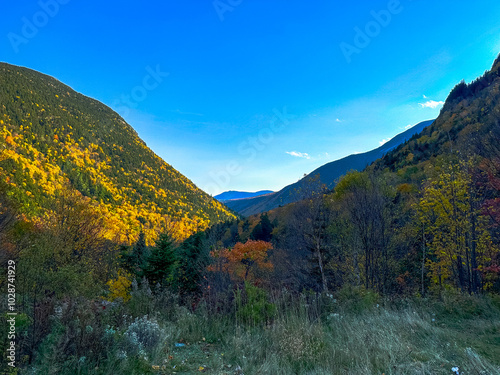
[[329, 174], [232, 195]]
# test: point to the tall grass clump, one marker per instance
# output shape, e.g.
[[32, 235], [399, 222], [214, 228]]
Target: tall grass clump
[[366, 337]]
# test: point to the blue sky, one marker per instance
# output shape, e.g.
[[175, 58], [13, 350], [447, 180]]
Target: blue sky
[[252, 94]]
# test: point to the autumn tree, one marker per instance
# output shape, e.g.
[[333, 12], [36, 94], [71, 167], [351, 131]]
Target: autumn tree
[[490, 165], [312, 218], [60, 258], [79, 226], [458, 236], [245, 261], [491, 208], [366, 201], [303, 241], [7, 221]]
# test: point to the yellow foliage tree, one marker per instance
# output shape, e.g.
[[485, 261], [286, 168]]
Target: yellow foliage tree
[[119, 288], [457, 232]]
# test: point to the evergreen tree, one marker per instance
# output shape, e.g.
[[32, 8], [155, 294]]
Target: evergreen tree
[[192, 262], [135, 261], [246, 226], [263, 230], [234, 235], [161, 262]]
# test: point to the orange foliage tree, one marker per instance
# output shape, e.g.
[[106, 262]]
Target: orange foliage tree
[[245, 261]]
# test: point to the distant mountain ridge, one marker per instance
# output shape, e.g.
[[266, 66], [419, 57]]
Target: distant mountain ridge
[[54, 140], [328, 173], [234, 195]]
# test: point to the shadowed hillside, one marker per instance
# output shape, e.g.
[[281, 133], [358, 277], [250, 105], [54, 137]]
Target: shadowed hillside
[[328, 174]]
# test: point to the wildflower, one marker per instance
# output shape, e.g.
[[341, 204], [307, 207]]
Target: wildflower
[[455, 370]]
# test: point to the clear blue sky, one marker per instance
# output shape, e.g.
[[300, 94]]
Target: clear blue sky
[[233, 65]]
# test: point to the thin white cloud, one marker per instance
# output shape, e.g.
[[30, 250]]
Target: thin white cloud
[[431, 104], [299, 154], [322, 156], [338, 120], [425, 97], [383, 141]]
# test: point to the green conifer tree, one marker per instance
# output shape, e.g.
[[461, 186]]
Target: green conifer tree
[[161, 262]]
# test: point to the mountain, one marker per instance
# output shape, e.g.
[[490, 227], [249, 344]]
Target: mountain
[[55, 141], [233, 195], [468, 126], [328, 174]]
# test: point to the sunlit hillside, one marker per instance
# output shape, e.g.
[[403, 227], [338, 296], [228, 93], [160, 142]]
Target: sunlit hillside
[[54, 140]]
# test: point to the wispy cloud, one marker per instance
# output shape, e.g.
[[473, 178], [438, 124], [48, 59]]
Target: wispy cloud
[[299, 154], [338, 120], [431, 104]]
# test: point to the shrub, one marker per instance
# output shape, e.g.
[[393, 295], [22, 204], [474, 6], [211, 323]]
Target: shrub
[[252, 305], [142, 336], [456, 305], [357, 299], [141, 298]]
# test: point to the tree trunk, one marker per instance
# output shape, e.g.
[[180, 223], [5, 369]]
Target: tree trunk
[[460, 273], [321, 269], [423, 261], [476, 277]]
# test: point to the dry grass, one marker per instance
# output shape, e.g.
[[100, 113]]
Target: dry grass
[[357, 337]]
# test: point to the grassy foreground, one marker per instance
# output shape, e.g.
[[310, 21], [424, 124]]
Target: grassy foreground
[[353, 332]]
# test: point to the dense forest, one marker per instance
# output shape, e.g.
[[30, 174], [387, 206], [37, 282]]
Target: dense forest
[[395, 270], [55, 141]]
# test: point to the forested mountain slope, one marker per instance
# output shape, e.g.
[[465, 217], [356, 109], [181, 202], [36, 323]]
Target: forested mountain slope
[[468, 125], [55, 141]]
